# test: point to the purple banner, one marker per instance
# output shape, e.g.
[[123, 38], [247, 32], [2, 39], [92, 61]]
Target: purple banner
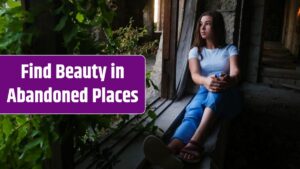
[[70, 84]]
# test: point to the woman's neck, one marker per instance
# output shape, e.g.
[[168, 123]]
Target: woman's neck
[[210, 44]]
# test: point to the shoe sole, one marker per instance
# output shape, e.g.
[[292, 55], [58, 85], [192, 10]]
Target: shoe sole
[[157, 153]]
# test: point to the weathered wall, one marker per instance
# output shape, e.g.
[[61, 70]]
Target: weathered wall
[[254, 42], [292, 29]]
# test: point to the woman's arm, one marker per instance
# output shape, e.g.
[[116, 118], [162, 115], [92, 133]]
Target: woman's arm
[[211, 83], [234, 70], [195, 72], [234, 74]]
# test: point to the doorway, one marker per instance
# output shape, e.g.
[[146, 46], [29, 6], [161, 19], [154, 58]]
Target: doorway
[[279, 64]]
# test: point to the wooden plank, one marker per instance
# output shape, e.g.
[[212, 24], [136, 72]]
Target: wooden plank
[[134, 153], [122, 145], [114, 138], [169, 48], [166, 119], [184, 45], [173, 48], [166, 48]]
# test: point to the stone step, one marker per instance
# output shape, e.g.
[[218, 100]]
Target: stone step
[[280, 73], [294, 87], [280, 77], [278, 63], [276, 49], [285, 60], [280, 82], [273, 45], [277, 53]]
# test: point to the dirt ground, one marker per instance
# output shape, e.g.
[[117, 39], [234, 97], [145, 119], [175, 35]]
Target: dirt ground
[[266, 134]]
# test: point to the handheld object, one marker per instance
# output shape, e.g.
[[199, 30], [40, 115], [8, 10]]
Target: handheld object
[[219, 74]]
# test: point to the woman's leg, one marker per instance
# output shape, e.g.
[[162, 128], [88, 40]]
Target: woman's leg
[[207, 122], [216, 105], [190, 122]]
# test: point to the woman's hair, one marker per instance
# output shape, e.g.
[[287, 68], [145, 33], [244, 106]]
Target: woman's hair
[[218, 30]]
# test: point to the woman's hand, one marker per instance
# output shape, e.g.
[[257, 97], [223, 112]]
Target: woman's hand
[[215, 84]]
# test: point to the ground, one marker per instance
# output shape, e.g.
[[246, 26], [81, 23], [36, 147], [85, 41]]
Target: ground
[[266, 135]]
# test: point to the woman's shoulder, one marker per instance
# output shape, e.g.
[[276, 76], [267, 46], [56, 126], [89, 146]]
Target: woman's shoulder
[[232, 49], [194, 49], [194, 52]]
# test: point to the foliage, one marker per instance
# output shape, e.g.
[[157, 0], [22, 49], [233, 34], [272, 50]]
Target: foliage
[[25, 141], [128, 40], [77, 21], [149, 82], [12, 19]]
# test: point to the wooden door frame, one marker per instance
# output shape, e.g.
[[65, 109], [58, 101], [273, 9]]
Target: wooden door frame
[[169, 48]]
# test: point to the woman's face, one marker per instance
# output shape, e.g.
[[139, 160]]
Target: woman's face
[[206, 28]]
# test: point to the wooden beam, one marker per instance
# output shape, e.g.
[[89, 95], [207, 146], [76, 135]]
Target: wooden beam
[[184, 45], [169, 48]]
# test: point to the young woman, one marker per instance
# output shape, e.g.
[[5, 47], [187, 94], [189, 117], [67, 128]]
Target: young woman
[[214, 67]]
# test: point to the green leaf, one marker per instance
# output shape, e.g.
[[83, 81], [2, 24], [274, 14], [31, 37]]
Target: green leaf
[[154, 85], [148, 83], [79, 17], [61, 24], [34, 133], [21, 120], [70, 35], [33, 156], [22, 133], [151, 114], [13, 4], [2, 11], [148, 74], [33, 144], [59, 10], [7, 126], [9, 39], [37, 167]]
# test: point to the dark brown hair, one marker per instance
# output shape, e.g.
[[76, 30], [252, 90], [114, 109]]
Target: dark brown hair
[[218, 30]]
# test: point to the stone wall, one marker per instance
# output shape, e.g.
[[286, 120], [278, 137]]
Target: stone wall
[[228, 10]]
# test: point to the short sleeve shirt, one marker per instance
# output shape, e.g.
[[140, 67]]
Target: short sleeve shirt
[[214, 60]]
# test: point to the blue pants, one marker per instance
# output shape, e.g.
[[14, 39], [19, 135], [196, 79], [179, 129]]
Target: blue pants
[[225, 104]]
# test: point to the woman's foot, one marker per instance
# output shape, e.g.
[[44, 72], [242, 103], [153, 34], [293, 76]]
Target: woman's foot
[[175, 146], [192, 152]]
